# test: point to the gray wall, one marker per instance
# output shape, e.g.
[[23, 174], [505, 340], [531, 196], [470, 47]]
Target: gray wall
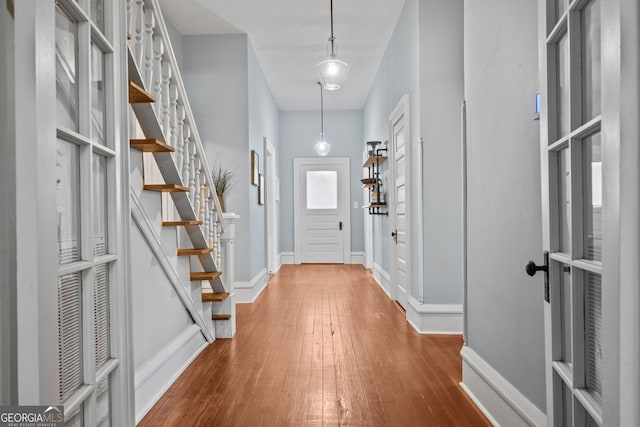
[[424, 59], [299, 131], [441, 93], [176, 43], [8, 381], [234, 111], [215, 75], [263, 123], [397, 75], [505, 307]]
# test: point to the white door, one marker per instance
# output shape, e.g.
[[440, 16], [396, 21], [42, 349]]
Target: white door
[[322, 210], [399, 137], [573, 160], [271, 207]]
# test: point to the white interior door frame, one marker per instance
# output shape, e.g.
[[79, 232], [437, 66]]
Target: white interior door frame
[[271, 217], [401, 112], [298, 163]]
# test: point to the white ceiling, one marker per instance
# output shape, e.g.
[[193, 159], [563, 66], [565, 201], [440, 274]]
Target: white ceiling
[[290, 38]]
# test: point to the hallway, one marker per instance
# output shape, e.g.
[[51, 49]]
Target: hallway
[[322, 345]]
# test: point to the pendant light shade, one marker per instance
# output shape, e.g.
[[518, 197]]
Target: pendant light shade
[[322, 147], [332, 72]]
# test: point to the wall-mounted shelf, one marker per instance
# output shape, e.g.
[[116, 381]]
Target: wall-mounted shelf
[[377, 205]]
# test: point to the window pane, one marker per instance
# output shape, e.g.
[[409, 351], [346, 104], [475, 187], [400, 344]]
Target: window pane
[[591, 60], [103, 404], [101, 314], [564, 204], [561, 7], [75, 419], [322, 190], [97, 95], [69, 334], [566, 316], [593, 334], [563, 86], [100, 213], [66, 71], [97, 13], [592, 177], [68, 202]]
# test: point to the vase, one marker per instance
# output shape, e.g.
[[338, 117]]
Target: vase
[[221, 201]]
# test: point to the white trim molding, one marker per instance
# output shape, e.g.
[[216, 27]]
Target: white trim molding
[[383, 279], [287, 258], [155, 377], [247, 292], [357, 258], [434, 318], [500, 402]]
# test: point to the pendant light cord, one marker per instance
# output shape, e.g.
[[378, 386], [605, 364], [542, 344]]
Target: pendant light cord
[[332, 38], [321, 110]]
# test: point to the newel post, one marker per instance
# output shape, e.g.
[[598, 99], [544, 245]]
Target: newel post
[[227, 249]]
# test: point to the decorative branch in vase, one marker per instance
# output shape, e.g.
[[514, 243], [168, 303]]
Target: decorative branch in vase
[[223, 181]]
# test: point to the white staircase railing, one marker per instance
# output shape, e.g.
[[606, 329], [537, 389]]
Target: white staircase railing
[[154, 58]]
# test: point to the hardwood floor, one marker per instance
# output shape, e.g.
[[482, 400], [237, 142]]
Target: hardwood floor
[[322, 345]]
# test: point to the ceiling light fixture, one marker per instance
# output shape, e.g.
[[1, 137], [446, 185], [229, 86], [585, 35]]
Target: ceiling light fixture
[[322, 147], [332, 72]]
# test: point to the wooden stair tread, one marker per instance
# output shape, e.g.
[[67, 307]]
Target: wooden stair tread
[[194, 251], [214, 296], [137, 95], [180, 223], [166, 188], [220, 316], [205, 275], [151, 145]]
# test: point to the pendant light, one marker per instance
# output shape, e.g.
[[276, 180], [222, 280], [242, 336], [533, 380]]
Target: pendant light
[[322, 147], [332, 72]]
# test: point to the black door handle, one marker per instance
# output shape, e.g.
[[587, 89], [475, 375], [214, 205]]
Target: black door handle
[[340, 225], [531, 268], [394, 234]]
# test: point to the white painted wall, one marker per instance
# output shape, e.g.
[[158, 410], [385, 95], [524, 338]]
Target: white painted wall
[[8, 370], [299, 131], [505, 307]]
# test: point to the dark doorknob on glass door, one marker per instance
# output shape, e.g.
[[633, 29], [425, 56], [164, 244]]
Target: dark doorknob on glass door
[[531, 268]]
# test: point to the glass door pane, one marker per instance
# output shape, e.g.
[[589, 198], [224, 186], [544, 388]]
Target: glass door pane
[[66, 71], [322, 189], [100, 211], [564, 203], [68, 202], [98, 116], [591, 59], [593, 334], [562, 83], [592, 180]]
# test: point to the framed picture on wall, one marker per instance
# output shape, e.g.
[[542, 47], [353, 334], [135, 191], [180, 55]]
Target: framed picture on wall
[[255, 167], [261, 189]]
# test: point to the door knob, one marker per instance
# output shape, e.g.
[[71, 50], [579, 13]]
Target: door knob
[[394, 234], [531, 268]]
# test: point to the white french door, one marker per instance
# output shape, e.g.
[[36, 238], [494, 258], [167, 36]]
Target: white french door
[[321, 206], [573, 202], [88, 218], [399, 150]]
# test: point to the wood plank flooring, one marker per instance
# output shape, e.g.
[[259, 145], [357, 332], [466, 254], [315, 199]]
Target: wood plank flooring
[[322, 345]]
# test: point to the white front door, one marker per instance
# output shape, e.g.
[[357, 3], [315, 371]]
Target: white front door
[[322, 210], [573, 160], [398, 137]]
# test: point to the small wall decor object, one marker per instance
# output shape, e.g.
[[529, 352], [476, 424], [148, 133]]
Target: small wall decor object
[[261, 189], [255, 167], [223, 181]]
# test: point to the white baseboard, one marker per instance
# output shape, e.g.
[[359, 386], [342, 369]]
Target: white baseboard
[[383, 279], [287, 258], [501, 402], [357, 258], [154, 377], [248, 292], [434, 318]]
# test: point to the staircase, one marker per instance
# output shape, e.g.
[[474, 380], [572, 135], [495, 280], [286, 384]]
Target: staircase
[[175, 167]]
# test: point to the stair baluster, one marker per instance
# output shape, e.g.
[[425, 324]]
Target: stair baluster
[[173, 114], [179, 137], [165, 98], [212, 228], [186, 156], [147, 70], [192, 175], [156, 83], [138, 34], [129, 6], [198, 187]]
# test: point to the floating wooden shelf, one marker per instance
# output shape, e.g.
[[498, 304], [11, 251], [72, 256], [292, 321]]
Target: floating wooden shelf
[[374, 160], [166, 188], [189, 252], [214, 296], [180, 223], [151, 146], [220, 316], [138, 95], [205, 275]]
